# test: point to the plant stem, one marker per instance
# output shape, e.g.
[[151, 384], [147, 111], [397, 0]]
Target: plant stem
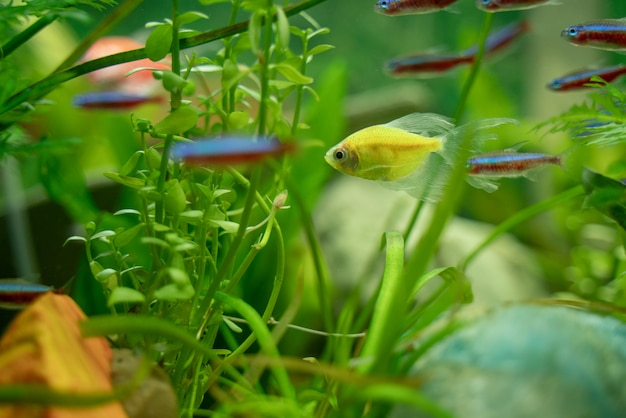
[[22, 37], [45, 86], [469, 83], [104, 27], [175, 101], [520, 217], [426, 247]]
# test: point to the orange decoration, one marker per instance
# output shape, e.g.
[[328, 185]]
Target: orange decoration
[[44, 346], [115, 76]]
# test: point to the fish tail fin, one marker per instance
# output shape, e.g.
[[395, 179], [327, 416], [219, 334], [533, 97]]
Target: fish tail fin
[[427, 183], [477, 129], [572, 159]]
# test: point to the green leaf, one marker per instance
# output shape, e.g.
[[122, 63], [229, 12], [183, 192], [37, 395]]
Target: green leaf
[[238, 120], [102, 234], [173, 292], [209, 2], [159, 42], [130, 165], [606, 195], [125, 237], [254, 29], [173, 82], [123, 294], [128, 181], [127, 212], [320, 31], [228, 226], [292, 74], [175, 199], [193, 217], [319, 49], [189, 17], [105, 275], [180, 120], [155, 241], [282, 28], [75, 238]]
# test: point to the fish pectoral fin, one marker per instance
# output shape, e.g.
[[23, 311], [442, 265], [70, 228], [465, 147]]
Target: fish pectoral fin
[[486, 183]]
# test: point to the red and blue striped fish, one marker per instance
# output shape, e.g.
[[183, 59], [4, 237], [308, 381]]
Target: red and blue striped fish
[[608, 34], [579, 79], [509, 163], [229, 150], [18, 293], [113, 100], [408, 7], [507, 5]]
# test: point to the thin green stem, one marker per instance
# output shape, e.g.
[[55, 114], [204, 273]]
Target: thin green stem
[[175, 102], [23, 37], [45, 86], [264, 70], [102, 29], [469, 83], [426, 247], [521, 217]]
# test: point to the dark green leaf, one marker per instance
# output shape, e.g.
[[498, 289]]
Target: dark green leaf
[[159, 42], [180, 120]]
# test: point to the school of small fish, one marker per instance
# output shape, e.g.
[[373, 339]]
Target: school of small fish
[[432, 65], [415, 153]]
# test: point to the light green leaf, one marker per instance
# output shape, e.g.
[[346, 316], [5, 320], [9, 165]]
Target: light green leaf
[[180, 120], [127, 212], [173, 292], [123, 294], [282, 28], [155, 241], [193, 217], [75, 238], [189, 17], [125, 237], [254, 29], [320, 31], [174, 200], [292, 74], [238, 120], [130, 165], [209, 2], [228, 226], [105, 275], [132, 182], [102, 234], [319, 49], [159, 42], [312, 93]]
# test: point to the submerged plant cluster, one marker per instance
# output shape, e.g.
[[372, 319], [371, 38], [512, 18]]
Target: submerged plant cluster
[[194, 267]]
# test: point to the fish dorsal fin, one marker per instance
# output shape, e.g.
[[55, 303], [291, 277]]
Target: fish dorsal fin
[[425, 124]]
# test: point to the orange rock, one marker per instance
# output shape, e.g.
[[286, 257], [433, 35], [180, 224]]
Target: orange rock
[[44, 346], [115, 76]]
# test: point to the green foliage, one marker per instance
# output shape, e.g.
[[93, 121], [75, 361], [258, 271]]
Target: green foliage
[[194, 249], [600, 121]]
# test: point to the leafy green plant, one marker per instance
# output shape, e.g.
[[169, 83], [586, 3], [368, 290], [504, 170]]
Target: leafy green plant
[[175, 265]]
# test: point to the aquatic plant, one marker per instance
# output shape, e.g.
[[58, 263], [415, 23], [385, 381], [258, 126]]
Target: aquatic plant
[[193, 267]]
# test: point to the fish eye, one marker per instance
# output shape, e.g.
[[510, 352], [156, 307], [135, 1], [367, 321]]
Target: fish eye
[[555, 84], [340, 155], [572, 31], [485, 2], [383, 4]]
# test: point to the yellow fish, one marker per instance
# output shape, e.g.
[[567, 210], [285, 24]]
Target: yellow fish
[[414, 153]]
